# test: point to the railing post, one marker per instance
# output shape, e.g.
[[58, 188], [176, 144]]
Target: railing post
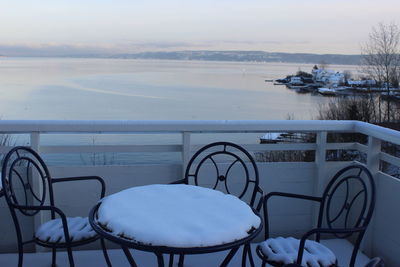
[[319, 179], [42, 217], [320, 162], [373, 163], [35, 141], [185, 151], [374, 149]]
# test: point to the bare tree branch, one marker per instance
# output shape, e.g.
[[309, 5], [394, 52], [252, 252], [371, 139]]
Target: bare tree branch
[[381, 58]]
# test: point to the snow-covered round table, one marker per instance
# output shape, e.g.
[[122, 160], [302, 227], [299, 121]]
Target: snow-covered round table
[[175, 219]]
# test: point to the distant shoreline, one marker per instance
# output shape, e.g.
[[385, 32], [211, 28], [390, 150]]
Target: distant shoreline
[[224, 56]]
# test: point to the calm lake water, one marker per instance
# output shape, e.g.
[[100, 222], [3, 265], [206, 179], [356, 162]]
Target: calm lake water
[[64, 88], [93, 89]]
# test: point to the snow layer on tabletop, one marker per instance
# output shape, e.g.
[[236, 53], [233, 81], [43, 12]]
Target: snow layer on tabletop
[[177, 216], [53, 231], [285, 250]]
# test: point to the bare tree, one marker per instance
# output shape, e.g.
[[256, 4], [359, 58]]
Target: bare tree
[[347, 75], [381, 58]]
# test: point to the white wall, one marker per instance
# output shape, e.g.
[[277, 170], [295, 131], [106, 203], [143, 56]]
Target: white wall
[[386, 223]]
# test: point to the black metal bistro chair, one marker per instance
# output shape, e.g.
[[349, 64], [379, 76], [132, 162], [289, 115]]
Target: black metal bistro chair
[[345, 210], [22, 166], [230, 168]]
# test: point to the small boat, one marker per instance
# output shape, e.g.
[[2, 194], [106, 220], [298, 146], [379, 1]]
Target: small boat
[[327, 91], [296, 81], [342, 88]]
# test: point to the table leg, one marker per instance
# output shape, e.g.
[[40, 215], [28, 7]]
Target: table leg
[[244, 255], [250, 256], [229, 257], [247, 252], [129, 256]]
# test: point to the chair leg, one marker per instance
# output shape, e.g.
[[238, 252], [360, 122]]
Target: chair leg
[[54, 257], [181, 259], [244, 256], [20, 254], [129, 256], [103, 247], [229, 257], [70, 257]]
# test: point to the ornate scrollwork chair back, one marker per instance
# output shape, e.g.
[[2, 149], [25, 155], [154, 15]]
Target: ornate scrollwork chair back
[[348, 201], [22, 167], [227, 167]]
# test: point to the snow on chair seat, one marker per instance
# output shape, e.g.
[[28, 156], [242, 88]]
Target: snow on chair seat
[[281, 251], [53, 231]]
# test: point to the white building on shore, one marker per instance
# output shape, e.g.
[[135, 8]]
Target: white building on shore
[[328, 76]]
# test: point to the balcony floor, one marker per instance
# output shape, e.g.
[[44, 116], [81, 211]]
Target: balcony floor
[[95, 258]]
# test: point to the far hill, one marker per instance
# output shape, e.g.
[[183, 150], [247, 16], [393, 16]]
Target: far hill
[[206, 55], [249, 56]]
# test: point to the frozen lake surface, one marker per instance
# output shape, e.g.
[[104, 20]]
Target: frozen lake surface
[[66, 88]]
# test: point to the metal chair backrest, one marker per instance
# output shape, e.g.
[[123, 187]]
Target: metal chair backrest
[[227, 167], [22, 168], [348, 200]]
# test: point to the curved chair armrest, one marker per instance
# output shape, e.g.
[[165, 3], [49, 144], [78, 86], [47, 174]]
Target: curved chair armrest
[[325, 231], [181, 181], [82, 178], [49, 208], [290, 195], [283, 194]]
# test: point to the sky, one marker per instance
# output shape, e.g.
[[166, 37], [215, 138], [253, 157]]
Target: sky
[[309, 26]]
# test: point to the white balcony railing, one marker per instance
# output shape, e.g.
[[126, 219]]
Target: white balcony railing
[[383, 237]]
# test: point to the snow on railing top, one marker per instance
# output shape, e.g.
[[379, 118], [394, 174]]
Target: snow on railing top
[[379, 132], [212, 126], [195, 126]]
